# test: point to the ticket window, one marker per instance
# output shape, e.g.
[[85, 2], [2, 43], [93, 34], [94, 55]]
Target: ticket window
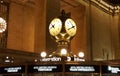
[[60, 74], [12, 75], [12, 70], [82, 74], [82, 70], [45, 74], [110, 74], [45, 70], [110, 70]]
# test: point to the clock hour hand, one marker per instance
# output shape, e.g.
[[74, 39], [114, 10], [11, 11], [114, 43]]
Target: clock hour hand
[[71, 27]]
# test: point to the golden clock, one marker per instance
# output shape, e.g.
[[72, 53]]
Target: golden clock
[[70, 27], [55, 26]]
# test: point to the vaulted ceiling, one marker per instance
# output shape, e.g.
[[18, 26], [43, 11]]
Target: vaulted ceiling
[[68, 4], [65, 3], [114, 2], [74, 3]]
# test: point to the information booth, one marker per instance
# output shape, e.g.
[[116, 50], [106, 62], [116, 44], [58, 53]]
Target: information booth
[[63, 68], [60, 66], [68, 70]]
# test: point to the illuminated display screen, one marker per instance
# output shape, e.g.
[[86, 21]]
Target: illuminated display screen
[[44, 68], [83, 68], [12, 69], [111, 69]]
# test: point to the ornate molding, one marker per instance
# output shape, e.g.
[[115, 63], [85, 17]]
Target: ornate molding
[[105, 6], [24, 2]]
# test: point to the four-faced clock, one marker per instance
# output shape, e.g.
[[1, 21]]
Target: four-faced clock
[[55, 26], [70, 27]]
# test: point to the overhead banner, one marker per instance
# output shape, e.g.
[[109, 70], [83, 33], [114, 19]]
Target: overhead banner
[[12, 69], [110, 69], [45, 68], [83, 68]]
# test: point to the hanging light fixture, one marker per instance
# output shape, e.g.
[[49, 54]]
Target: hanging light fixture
[[3, 25]]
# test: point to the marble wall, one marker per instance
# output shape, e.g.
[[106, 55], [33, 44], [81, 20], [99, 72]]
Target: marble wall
[[102, 34], [26, 30]]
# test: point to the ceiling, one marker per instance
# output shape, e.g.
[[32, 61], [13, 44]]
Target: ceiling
[[65, 3], [74, 3], [114, 2], [69, 3]]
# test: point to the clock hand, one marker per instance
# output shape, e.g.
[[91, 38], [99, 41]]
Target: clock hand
[[53, 26], [71, 27], [71, 23]]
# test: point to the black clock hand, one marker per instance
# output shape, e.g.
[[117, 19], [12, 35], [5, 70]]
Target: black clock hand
[[71, 27], [53, 26]]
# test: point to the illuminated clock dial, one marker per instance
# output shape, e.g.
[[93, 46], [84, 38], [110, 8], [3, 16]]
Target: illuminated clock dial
[[70, 27], [3, 25], [55, 26]]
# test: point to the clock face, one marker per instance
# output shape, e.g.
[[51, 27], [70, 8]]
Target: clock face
[[70, 27], [55, 26]]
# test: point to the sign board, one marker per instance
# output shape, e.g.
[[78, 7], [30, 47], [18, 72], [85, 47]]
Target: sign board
[[110, 69], [44, 68], [12, 69], [57, 59], [83, 68], [54, 59]]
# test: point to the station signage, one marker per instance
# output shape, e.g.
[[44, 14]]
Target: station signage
[[54, 59], [57, 59], [76, 59], [44, 68], [82, 68], [12, 69], [110, 69]]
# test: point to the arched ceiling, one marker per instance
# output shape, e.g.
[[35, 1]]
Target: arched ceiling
[[22, 2], [113, 2], [113, 5]]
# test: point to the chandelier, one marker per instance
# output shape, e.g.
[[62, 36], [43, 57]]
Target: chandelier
[[3, 25]]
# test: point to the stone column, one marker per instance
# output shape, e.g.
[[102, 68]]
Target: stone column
[[40, 26]]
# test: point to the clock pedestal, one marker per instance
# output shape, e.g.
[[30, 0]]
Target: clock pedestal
[[62, 45]]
